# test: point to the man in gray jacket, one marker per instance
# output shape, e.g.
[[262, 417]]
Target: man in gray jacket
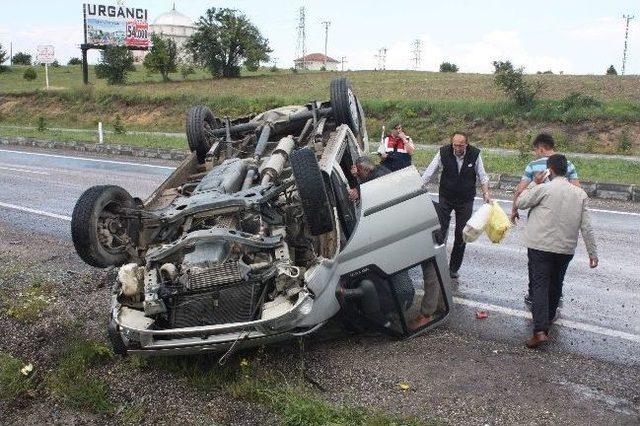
[[558, 213]]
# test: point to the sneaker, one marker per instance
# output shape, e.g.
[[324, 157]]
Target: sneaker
[[454, 275]]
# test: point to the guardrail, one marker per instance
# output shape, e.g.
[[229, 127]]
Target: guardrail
[[603, 190]]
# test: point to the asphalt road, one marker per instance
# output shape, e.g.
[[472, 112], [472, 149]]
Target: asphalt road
[[600, 317]]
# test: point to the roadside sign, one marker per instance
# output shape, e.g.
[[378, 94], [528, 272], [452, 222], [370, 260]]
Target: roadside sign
[[46, 54]]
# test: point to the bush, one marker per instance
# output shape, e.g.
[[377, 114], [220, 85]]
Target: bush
[[511, 81], [611, 70], [448, 67], [186, 70], [115, 64], [579, 100], [75, 61], [30, 74], [624, 143], [42, 124], [274, 69], [118, 126], [55, 64]]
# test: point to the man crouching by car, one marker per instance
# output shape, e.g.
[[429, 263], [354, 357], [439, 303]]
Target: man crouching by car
[[364, 170]]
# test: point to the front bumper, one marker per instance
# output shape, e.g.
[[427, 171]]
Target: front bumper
[[211, 338]]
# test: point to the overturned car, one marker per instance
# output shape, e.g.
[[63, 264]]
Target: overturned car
[[253, 238]]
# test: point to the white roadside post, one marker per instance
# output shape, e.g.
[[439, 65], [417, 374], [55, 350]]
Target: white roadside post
[[100, 135], [46, 55]]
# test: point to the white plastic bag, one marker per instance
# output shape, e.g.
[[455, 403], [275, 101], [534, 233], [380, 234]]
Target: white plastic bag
[[475, 225]]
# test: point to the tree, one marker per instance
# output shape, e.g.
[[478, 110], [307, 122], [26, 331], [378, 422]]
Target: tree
[[448, 67], [75, 61], [163, 57], [3, 58], [115, 64], [612, 70], [21, 58], [511, 81], [224, 40], [3, 55]]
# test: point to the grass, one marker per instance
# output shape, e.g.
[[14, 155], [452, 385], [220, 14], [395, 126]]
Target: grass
[[430, 105], [142, 140], [294, 403], [27, 304], [388, 85], [595, 170], [13, 383], [73, 382]]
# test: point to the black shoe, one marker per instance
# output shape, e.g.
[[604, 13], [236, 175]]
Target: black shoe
[[454, 275]]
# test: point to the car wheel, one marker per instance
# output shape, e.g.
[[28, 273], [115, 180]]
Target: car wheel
[[312, 191], [200, 121], [344, 104], [99, 231]]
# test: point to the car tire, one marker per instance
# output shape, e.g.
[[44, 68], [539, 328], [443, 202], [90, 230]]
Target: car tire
[[95, 220], [200, 119], [312, 191], [344, 104]]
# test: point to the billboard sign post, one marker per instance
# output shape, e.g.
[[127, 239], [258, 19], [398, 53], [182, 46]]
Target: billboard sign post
[[107, 26], [46, 55]]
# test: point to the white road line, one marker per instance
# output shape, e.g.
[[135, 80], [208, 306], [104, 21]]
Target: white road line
[[562, 322], [34, 211], [592, 210], [460, 301], [95, 160], [13, 169]]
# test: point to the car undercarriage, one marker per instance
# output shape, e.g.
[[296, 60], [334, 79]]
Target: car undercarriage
[[241, 244]]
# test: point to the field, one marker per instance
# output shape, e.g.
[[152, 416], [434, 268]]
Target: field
[[431, 105]]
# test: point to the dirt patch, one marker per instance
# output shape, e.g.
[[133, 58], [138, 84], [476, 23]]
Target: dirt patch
[[451, 377]]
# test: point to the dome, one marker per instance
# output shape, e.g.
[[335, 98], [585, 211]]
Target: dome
[[173, 18]]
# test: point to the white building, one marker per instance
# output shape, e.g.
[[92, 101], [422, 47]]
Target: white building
[[171, 25], [315, 62]]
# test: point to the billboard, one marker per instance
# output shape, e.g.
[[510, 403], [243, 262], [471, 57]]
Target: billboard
[[115, 26]]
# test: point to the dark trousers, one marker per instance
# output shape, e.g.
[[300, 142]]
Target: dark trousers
[[547, 272], [464, 210]]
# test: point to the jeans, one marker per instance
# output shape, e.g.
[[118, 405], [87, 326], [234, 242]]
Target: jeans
[[547, 272], [464, 210]]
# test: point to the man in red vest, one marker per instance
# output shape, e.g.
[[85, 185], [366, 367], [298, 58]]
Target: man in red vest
[[396, 150]]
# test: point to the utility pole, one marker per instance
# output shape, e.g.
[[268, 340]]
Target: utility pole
[[301, 48], [326, 39], [416, 53], [382, 58], [627, 18], [343, 60]]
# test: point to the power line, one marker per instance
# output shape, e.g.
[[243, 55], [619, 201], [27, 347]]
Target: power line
[[416, 53], [626, 39], [301, 47], [326, 38]]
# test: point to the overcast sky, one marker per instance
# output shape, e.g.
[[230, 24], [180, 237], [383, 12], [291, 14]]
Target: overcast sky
[[577, 37]]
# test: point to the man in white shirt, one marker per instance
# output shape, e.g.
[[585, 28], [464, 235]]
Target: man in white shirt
[[462, 167]]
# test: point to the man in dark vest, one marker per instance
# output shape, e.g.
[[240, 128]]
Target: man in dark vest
[[462, 168]]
